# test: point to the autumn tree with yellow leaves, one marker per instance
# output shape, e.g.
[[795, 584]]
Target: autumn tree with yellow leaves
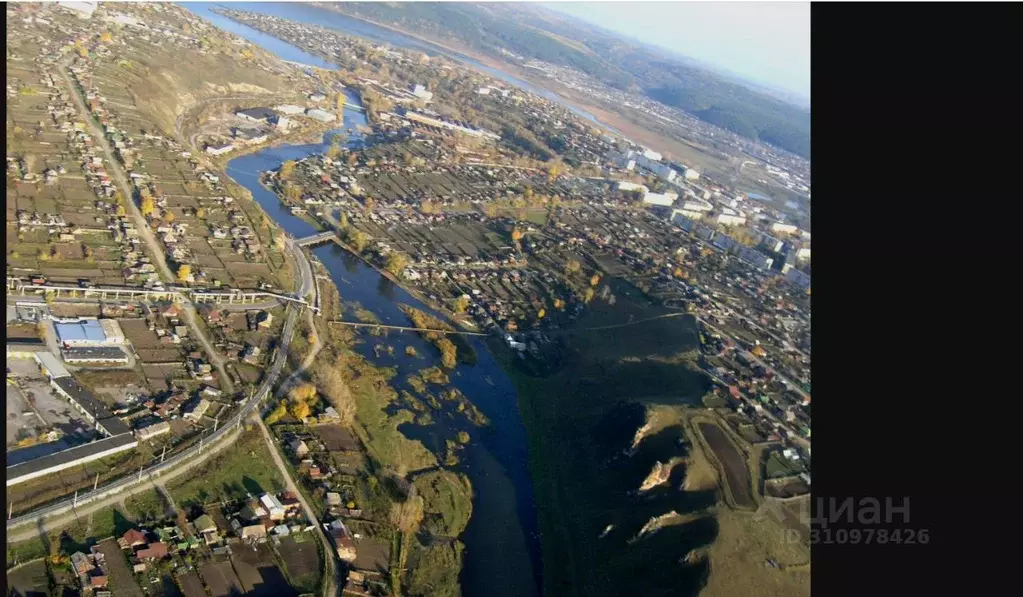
[[147, 205], [287, 170]]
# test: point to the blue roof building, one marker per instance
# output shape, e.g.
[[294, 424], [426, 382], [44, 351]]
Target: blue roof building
[[88, 331]]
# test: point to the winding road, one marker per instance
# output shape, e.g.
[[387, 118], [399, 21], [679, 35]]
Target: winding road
[[156, 251]]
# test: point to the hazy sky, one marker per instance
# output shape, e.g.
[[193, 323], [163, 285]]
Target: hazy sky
[[768, 42]]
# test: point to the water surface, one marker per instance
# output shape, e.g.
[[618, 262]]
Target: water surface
[[502, 555]]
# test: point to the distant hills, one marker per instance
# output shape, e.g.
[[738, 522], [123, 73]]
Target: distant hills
[[536, 32]]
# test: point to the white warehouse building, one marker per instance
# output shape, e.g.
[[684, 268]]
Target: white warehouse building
[[662, 199]]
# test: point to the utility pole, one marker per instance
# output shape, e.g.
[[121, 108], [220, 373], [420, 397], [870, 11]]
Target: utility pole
[[216, 420], [164, 453], [75, 503], [96, 484], [10, 511]]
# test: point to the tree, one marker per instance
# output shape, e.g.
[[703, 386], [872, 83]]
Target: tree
[[595, 279], [516, 234], [352, 159], [292, 192], [341, 100], [287, 170], [396, 262], [168, 216], [462, 304], [359, 240], [332, 384], [490, 210], [302, 392], [588, 295], [448, 353], [572, 266], [300, 410], [370, 203], [559, 304], [278, 413], [541, 313], [148, 205], [106, 37], [406, 516], [184, 272], [201, 212]]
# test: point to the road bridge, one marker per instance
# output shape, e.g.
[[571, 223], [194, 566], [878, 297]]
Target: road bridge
[[316, 239]]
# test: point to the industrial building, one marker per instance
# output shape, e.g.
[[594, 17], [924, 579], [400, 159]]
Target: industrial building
[[435, 122], [289, 109], [264, 115], [95, 354], [151, 431], [421, 92], [624, 185], [320, 115], [219, 149], [89, 332], [119, 440], [71, 458], [662, 199]]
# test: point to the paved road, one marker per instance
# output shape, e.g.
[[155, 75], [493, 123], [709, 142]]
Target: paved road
[[179, 464], [332, 571], [156, 251]]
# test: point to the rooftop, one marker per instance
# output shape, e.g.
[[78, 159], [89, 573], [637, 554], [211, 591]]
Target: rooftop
[[87, 330], [257, 113], [65, 457]]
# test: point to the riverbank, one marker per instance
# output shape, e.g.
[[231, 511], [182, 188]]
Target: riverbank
[[397, 410]]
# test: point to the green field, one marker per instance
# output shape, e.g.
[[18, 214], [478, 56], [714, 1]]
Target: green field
[[378, 429], [244, 468], [147, 505], [447, 499]]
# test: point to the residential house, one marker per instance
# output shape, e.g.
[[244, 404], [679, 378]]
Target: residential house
[[253, 531], [153, 551], [298, 447], [343, 542], [329, 415], [273, 506], [205, 526], [291, 503], [81, 563], [197, 409], [132, 539]]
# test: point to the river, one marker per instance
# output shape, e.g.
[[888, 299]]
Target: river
[[502, 555], [313, 15]]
